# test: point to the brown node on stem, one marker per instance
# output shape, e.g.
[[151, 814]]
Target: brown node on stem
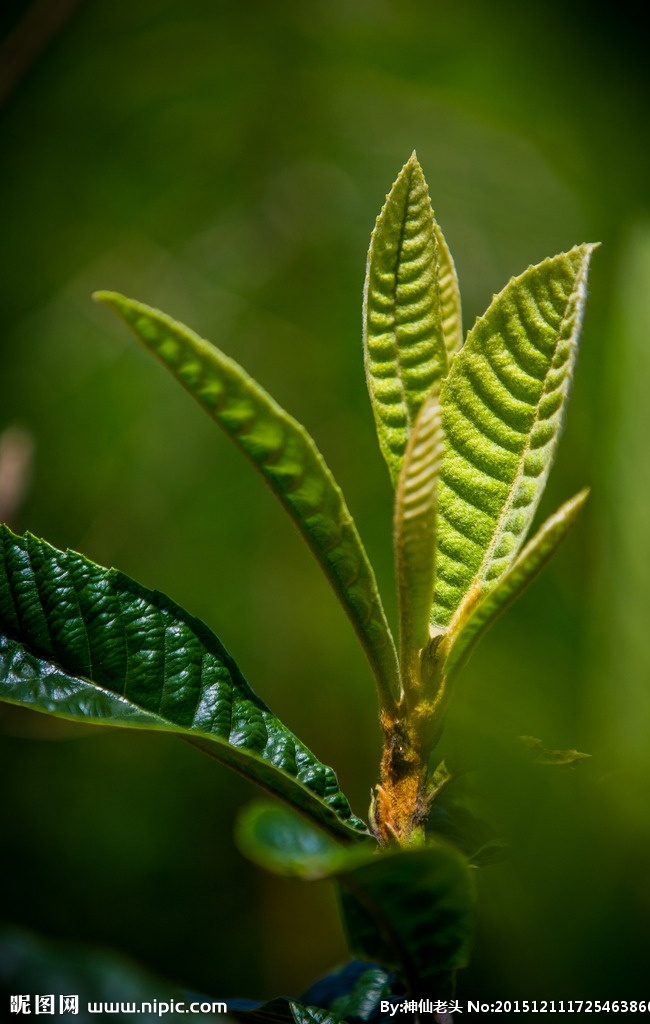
[[399, 806]]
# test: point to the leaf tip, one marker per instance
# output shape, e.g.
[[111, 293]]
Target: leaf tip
[[410, 173], [574, 505], [584, 253], [588, 249], [108, 298]]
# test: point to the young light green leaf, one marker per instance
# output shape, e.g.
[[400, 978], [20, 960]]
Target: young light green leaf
[[91, 645], [286, 456], [452, 320], [414, 527], [503, 408], [412, 911], [404, 313], [465, 633]]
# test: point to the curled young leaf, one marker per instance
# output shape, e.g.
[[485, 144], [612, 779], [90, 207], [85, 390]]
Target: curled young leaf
[[414, 529]]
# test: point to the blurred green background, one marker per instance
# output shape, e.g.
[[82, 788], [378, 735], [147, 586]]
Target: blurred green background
[[226, 161]]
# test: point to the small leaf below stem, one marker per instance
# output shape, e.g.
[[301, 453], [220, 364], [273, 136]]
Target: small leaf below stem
[[412, 911]]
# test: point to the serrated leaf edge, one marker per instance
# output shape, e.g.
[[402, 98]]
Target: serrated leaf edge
[[395, 412], [574, 315], [490, 568]]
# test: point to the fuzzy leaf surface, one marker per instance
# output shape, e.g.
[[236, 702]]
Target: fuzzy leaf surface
[[403, 312], [91, 645], [503, 410], [529, 563], [452, 320], [288, 459], [414, 527], [355, 991]]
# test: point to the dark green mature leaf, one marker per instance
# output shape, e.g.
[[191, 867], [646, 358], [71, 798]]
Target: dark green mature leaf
[[412, 911], [313, 1015], [414, 529], [410, 297], [529, 563], [90, 644], [286, 456], [503, 407], [279, 1011], [354, 992]]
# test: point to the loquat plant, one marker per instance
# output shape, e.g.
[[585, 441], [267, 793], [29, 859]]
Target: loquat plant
[[468, 431]]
